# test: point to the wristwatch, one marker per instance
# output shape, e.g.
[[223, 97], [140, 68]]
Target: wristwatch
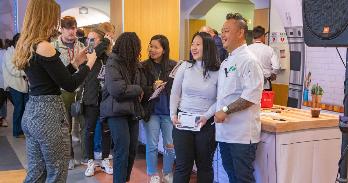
[[225, 109]]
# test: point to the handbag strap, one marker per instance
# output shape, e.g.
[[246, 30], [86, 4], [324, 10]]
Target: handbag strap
[[81, 99]]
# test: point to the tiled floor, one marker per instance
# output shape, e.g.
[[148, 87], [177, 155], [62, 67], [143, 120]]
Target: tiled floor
[[76, 175]]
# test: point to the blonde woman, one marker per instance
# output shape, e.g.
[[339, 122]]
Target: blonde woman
[[44, 122]]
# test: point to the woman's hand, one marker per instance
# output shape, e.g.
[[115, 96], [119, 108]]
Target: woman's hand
[[202, 120], [80, 58], [141, 96], [157, 84], [108, 36], [175, 120], [91, 57]]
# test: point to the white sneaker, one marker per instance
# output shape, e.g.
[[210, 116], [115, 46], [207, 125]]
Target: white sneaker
[[98, 155], [106, 166], [71, 164], [75, 139], [4, 123], [155, 179], [90, 168], [168, 178]]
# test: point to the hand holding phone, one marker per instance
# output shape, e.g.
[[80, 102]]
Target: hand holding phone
[[90, 47]]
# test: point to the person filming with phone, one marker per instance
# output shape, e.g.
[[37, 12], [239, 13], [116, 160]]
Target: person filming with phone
[[99, 41]]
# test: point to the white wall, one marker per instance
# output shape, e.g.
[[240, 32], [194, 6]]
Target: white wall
[[324, 63], [277, 26], [216, 16], [185, 10], [101, 5], [7, 19], [94, 16], [328, 71]]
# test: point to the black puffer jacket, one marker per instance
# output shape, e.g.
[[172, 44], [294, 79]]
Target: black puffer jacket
[[151, 75], [91, 85], [119, 94]]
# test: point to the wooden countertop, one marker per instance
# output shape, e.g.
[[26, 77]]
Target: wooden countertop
[[286, 119]]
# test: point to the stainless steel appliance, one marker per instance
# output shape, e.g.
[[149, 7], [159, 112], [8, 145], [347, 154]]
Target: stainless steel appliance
[[297, 56]]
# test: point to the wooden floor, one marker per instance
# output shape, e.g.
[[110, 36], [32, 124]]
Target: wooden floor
[[12, 176], [76, 175], [138, 175]]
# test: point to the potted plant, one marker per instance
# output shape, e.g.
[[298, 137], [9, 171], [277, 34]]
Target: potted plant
[[317, 93]]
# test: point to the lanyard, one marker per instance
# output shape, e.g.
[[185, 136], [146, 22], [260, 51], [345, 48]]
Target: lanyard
[[73, 54]]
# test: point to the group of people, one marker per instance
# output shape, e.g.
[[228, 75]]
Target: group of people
[[14, 86], [117, 89]]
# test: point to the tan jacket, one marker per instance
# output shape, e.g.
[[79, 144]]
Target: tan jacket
[[64, 50]]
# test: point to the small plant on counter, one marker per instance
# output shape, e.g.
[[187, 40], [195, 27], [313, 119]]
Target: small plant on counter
[[317, 92]]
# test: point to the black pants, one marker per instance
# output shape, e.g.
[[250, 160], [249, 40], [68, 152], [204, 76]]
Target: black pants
[[193, 147], [124, 132], [91, 114]]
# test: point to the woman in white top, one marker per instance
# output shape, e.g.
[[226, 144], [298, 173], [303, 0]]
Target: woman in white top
[[16, 83], [3, 103], [194, 91]]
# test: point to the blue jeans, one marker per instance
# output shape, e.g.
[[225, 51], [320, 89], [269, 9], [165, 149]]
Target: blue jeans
[[152, 129], [98, 137], [125, 133], [3, 110], [19, 100], [237, 160]]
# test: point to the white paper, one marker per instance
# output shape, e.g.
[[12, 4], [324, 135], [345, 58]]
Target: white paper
[[156, 93], [188, 122]]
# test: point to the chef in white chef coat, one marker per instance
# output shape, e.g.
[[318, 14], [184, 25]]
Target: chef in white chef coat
[[240, 84], [266, 56]]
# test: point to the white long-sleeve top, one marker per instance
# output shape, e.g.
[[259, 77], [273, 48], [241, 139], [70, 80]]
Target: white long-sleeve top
[[12, 76], [193, 93]]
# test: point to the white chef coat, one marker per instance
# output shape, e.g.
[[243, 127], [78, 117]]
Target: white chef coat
[[240, 76], [267, 57]]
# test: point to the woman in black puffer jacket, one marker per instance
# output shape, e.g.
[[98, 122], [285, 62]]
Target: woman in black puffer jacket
[[120, 106]]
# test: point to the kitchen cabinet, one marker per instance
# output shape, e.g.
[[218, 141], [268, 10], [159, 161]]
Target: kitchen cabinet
[[300, 149]]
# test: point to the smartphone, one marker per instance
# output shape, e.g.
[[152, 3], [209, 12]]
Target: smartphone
[[90, 46]]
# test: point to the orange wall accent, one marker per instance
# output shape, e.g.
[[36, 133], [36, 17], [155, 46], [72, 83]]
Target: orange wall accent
[[261, 17], [116, 15], [151, 17], [281, 94], [191, 27]]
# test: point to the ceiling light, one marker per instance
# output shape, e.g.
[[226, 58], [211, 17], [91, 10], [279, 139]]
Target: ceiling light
[[83, 10]]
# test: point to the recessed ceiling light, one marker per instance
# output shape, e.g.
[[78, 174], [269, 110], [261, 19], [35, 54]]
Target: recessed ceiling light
[[83, 10]]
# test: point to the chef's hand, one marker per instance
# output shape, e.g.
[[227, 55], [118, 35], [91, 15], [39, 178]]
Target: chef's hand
[[273, 77], [202, 120], [220, 117]]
